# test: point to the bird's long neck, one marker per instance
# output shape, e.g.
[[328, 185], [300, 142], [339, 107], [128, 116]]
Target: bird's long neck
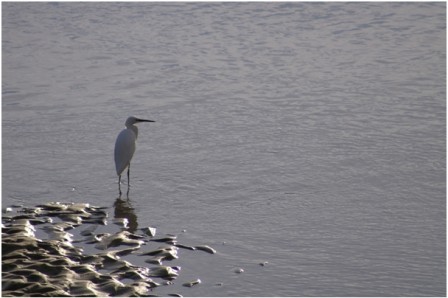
[[134, 129]]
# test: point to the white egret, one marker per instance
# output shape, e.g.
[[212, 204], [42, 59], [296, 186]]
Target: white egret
[[125, 147]]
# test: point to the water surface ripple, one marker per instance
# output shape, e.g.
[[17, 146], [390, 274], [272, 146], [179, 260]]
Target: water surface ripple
[[310, 136]]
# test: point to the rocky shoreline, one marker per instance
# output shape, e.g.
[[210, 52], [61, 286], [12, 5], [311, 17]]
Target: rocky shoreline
[[52, 250]]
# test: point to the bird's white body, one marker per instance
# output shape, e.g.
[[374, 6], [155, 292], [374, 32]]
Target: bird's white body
[[124, 149], [125, 146]]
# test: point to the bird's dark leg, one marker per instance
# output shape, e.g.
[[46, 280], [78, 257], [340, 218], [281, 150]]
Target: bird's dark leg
[[129, 170]]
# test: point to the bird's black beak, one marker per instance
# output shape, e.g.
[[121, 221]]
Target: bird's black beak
[[144, 120]]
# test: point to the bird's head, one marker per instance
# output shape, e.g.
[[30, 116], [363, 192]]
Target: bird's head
[[133, 120]]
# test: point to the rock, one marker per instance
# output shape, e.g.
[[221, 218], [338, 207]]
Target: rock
[[169, 239], [150, 231], [120, 238], [192, 283], [39, 257], [164, 272], [186, 247], [122, 222], [11, 284], [206, 248]]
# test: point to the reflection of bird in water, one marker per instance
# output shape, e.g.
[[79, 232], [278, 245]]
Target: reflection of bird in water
[[124, 209]]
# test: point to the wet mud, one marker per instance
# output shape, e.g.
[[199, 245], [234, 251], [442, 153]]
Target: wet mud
[[53, 249]]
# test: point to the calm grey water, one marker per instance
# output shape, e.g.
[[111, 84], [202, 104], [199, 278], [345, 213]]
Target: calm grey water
[[307, 135]]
